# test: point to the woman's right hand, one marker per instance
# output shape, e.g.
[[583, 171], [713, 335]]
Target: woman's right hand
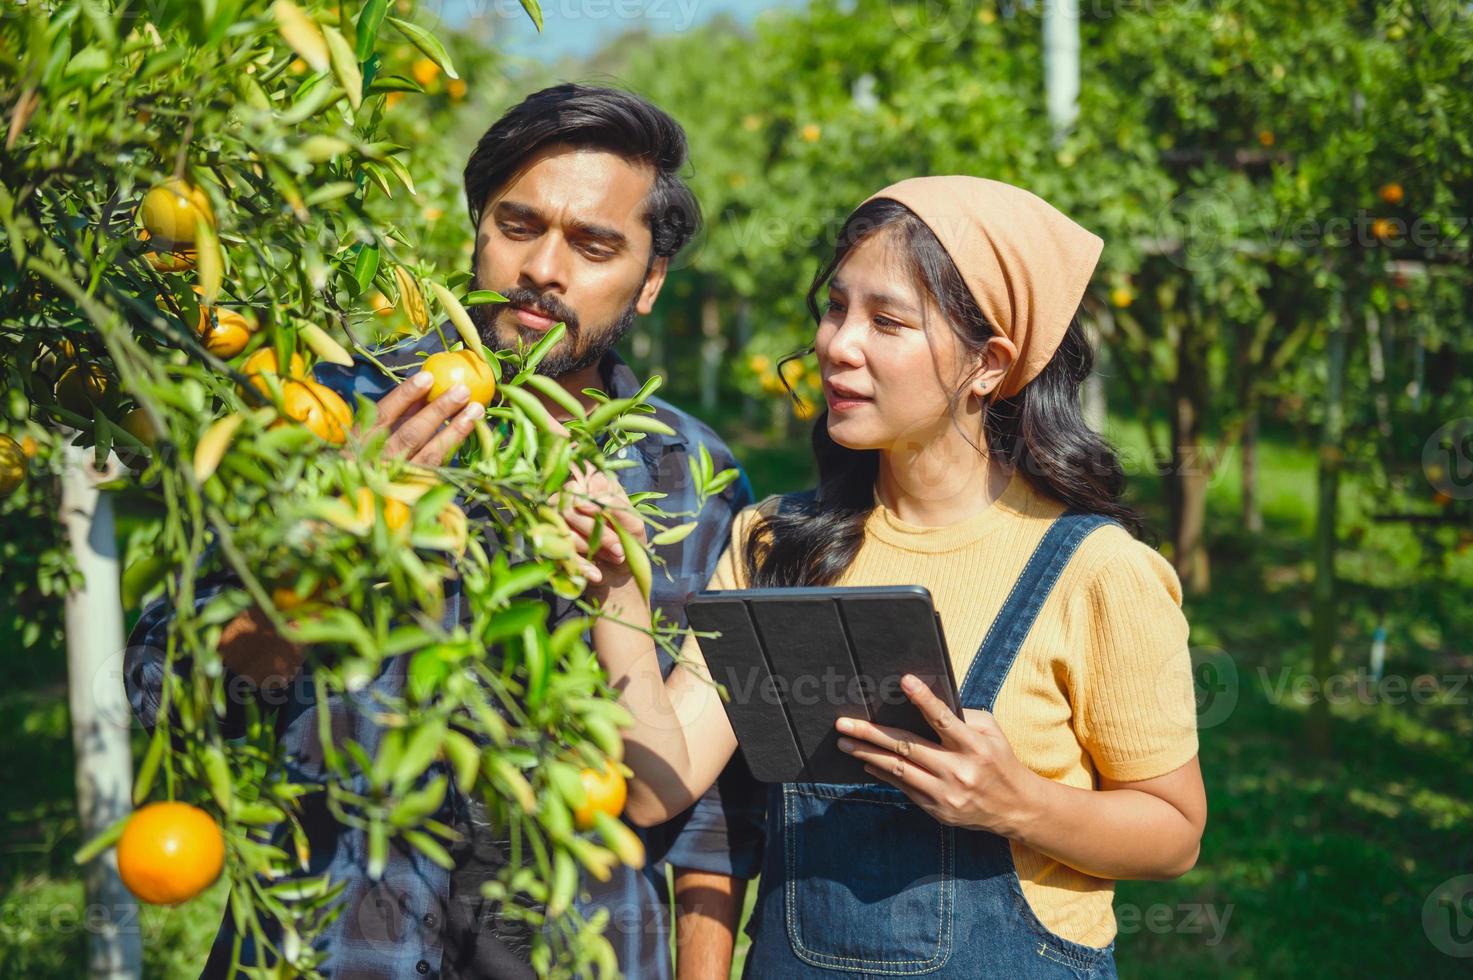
[[587, 494]]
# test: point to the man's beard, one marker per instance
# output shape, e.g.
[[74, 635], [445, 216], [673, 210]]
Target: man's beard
[[575, 352]]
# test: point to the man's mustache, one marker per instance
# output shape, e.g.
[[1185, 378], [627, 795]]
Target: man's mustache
[[546, 305]]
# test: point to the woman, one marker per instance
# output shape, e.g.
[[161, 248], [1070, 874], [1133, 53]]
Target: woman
[[953, 455]]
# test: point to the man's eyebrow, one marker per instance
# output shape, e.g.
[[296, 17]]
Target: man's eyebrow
[[612, 237], [523, 212]]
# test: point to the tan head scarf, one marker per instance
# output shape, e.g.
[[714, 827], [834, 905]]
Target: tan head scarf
[[1025, 263]]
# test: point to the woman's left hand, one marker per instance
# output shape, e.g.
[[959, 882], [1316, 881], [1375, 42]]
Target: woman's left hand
[[971, 779]]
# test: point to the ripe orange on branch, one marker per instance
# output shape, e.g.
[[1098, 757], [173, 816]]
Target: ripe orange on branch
[[79, 387], [317, 407], [170, 852], [607, 792], [169, 211], [263, 362], [225, 332], [396, 512], [12, 466], [450, 368]]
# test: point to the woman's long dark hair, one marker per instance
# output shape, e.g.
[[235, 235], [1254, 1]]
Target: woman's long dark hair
[[1040, 431]]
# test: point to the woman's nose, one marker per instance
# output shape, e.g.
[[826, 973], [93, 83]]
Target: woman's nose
[[845, 345]]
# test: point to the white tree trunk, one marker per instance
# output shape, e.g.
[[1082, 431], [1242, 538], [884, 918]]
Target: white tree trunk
[[101, 720]]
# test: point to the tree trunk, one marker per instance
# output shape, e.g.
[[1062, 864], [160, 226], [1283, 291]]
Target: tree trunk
[[1331, 453], [1252, 507], [101, 719], [1189, 475], [711, 349]]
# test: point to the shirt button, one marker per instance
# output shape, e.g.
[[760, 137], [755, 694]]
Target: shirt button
[[623, 452], [421, 968], [429, 919]]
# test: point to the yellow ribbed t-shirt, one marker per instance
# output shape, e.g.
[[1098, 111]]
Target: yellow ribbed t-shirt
[[1102, 684]]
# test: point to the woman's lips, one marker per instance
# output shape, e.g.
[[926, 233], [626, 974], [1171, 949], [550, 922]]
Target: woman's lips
[[842, 403], [532, 320]]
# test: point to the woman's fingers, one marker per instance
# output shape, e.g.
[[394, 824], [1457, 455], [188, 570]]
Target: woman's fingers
[[582, 526], [442, 447], [899, 771], [953, 731], [895, 742]]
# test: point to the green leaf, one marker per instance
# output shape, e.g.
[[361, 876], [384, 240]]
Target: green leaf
[[369, 21], [102, 841], [427, 43], [674, 534], [430, 847], [143, 576], [534, 11], [344, 65], [464, 758], [419, 753], [480, 296], [365, 266], [148, 769]]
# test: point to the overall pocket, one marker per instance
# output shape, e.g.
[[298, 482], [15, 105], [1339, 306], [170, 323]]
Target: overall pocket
[[870, 882]]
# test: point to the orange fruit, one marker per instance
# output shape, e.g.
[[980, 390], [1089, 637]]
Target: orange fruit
[[812, 133], [176, 260], [170, 852], [1392, 193], [12, 466], [169, 211], [136, 423], [606, 791], [1121, 296], [79, 387], [264, 361], [225, 332], [396, 512], [461, 367], [425, 71], [1383, 228], [317, 407]]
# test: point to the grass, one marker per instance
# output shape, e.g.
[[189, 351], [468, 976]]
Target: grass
[[1311, 867]]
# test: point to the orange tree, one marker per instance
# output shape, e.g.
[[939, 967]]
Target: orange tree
[[200, 200]]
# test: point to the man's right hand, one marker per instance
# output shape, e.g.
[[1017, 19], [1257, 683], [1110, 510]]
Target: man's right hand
[[418, 427]]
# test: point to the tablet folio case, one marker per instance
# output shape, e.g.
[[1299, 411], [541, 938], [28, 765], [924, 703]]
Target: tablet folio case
[[795, 660]]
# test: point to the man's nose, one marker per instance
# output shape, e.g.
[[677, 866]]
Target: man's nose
[[545, 267]]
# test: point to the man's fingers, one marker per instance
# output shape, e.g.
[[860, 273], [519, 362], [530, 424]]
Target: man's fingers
[[409, 438], [401, 398], [445, 442]]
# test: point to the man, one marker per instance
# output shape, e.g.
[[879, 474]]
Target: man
[[578, 207]]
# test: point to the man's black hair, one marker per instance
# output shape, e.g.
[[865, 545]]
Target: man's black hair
[[597, 118]]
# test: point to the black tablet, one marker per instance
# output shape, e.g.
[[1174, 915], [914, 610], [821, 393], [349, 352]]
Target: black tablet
[[793, 661]]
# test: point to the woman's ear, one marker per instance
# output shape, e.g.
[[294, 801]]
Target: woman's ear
[[992, 364]]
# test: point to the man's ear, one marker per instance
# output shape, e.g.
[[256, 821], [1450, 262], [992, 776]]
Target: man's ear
[[653, 282]]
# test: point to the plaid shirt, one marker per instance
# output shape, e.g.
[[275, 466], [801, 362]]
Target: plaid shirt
[[395, 927]]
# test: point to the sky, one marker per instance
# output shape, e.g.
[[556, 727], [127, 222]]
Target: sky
[[578, 28]]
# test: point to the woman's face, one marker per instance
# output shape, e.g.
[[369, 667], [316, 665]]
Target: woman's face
[[882, 338]]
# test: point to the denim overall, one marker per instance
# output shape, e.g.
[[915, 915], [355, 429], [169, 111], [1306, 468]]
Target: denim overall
[[858, 880]]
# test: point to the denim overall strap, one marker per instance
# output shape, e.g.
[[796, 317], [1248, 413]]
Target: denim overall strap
[[1008, 631]]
